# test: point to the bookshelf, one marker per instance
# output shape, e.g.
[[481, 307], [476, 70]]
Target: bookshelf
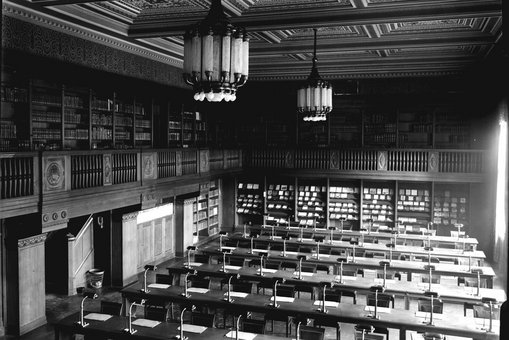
[[76, 118], [380, 128], [346, 127], [46, 108], [14, 113], [214, 199], [123, 124], [344, 202], [280, 200], [102, 120], [450, 206], [250, 206], [452, 131], [415, 129], [378, 203], [414, 205], [311, 203], [143, 118], [200, 216]]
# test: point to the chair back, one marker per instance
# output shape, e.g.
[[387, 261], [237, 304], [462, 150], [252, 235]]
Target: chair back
[[199, 282], [370, 336], [203, 319], [164, 278], [156, 313], [424, 305], [201, 258], [253, 326], [311, 333], [237, 261], [330, 295], [349, 293], [272, 265], [384, 300], [309, 268], [435, 278], [244, 287], [110, 307], [483, 311], [286, 290]]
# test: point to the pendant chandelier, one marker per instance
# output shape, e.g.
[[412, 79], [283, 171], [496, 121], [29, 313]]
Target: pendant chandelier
[[314, 99], [216, 57]]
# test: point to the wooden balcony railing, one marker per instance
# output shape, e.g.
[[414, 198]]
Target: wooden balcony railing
[[366, 160], [16, 175], [86, 171]]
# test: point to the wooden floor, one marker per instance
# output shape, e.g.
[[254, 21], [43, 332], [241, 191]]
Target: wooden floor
[[58, 307]]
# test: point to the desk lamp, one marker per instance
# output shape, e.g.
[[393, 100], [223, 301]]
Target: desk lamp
[[285, 238], [182, 336], [324, 285], [489, 302], [262, 255], [223, 267], [342, 223], [354, 242], [430, 269], [429, 227], [265, 217], [459, 226], [300, 258], [86, 295], [432, 296], [478, 272], [370, 225], [331, 234], [364, 329], [391, 246], [237, 327], [272, 231], [244, 234], [253, 235], [385, 264], [228, 298], [193, 273], [274, 292], [429, 250], [189, 249], [341, 260], [318, 240], [376, 289], [314, 223], [301, 228], [147, 268], [221, 235], [130, 328]]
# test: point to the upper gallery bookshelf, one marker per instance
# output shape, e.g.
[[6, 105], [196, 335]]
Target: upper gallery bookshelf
[[280, 196]]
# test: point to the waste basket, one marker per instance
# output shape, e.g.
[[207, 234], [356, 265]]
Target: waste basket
[[95, 278]]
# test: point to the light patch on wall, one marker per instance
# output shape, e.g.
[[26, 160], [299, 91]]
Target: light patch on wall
[[501, 205], [154, 213]]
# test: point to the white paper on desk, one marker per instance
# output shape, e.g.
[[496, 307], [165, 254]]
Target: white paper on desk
[[228, 248], [232, 267], [293, 227], [308, 240], [260, 250], [382, 281], [321, 256], [303, 274], [266, 270], [283, 299], [290, 253], [237, 294], [193, 264], [485, 323], [346, 277], [327, 303], [192, 328], [146, 323], [159, 285], [275, 237], [427, 315], [197, 290], [98, 316], [378, 309], [242, 335]]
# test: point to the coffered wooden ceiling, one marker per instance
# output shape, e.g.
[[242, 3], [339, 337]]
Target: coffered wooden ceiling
[[356, 38]]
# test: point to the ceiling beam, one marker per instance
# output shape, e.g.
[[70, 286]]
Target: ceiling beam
[[291, 18]]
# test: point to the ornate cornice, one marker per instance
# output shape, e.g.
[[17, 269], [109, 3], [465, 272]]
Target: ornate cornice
[[130, 216], [31, 241], [42, 19]]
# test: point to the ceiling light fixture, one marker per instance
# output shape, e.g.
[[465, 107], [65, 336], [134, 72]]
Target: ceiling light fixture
[[216, 57], [314, 99]]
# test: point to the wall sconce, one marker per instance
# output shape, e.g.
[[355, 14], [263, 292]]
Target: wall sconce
[[100, 221], [86, 295]]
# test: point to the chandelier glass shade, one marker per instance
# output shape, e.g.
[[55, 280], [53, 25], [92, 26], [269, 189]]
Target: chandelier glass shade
[[216, 57], [314, 98]]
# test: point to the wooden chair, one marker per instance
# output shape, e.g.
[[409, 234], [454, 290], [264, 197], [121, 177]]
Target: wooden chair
[[289, 265], [201, 258], [275, 315], [164, 278], [285, 290], [312, 333], [253, 326], [203, 319], [349, 293], [384, 300], [424, 305], [334, 296], [199, 282], [305, 288], [435, 278], [156, 313], [110, 307], [236, 261]]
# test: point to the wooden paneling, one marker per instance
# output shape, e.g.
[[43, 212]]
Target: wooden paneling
[[81, 256], [129, 248], [32, 294]]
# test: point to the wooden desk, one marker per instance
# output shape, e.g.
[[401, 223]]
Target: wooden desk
[[345, 312], [405, 289], [408, 267], [468, 241], [476, 256], [113, 329]]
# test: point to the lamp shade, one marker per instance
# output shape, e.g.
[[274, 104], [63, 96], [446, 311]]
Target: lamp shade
[[216, 57]]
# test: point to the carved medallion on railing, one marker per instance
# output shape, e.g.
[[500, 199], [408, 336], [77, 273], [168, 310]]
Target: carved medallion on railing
[[334, 160], [381, 160], [433, 161], [148, 164], [204, 161], [289, 159], [107, 170], [178, 161], [53, 173]]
